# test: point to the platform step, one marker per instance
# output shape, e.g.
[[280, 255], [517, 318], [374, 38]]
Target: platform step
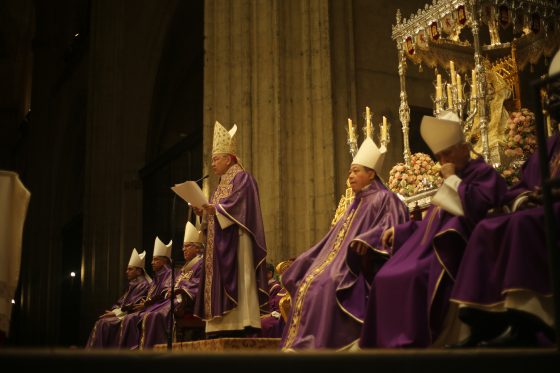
[[224, 344]]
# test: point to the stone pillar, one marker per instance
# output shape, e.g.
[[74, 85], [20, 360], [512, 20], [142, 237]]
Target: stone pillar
[[268, 69], [125, 46], [344, 87]]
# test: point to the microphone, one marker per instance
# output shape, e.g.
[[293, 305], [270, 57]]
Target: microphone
[[202, 178]]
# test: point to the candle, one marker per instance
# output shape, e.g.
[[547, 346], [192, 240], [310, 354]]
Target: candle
[[438, 92], [368, 122], [350, 130], [452, 72], [474, 84], [384, 129], [459, 88], [449, 97]]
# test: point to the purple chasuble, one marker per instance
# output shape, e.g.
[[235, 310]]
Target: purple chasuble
[[105, 332], [237, 198], [129, 336], [508, 253], [328, 299], [410, 294], [272, 323], [274, 287], [155, 323]]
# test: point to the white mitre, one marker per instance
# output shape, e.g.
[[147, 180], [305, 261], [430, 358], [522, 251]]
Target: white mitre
[[370, 156], [224, 141], [161, 249], [137, 260], [191, 234], [442, 132]]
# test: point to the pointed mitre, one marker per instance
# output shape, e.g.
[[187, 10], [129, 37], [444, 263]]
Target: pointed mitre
[[442, 132], [137, 260], [554, 65], [161, 249], [191, 234], [224, 141], [370, 156]]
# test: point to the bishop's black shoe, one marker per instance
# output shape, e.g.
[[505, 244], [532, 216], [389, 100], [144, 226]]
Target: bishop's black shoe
[[471, 341], [522, 331], [484, 326], [513, 336]]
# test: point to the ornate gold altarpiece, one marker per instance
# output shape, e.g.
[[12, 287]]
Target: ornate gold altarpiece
[[438, 34]]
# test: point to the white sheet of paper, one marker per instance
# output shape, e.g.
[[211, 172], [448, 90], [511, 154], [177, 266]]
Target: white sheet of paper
[[448, 199], [190, 192]]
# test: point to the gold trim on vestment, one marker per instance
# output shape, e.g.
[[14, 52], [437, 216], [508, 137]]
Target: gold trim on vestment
[[493, 307], [432, 297], [143, 337], [348, 312], [308, 280], [222, 191], [437, 253], [93, 332], [428, 228], [444, 271], [555, 164]]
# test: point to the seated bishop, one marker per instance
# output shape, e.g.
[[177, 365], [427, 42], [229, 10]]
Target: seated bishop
[[503, 287], [129, 334], [409, 296], [106, 329], [157, 322], [328, 299]]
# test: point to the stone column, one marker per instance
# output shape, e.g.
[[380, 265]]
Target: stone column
[[125, 44], [268, 69]]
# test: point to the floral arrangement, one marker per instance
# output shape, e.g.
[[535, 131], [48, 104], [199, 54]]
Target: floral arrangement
[[422, 174], [521, 139], [510, 172]]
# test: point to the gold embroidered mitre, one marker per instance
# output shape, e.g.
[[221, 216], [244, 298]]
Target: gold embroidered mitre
[[224, 141]]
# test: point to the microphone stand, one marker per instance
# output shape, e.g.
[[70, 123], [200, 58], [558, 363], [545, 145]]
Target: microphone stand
[[172, 290]]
